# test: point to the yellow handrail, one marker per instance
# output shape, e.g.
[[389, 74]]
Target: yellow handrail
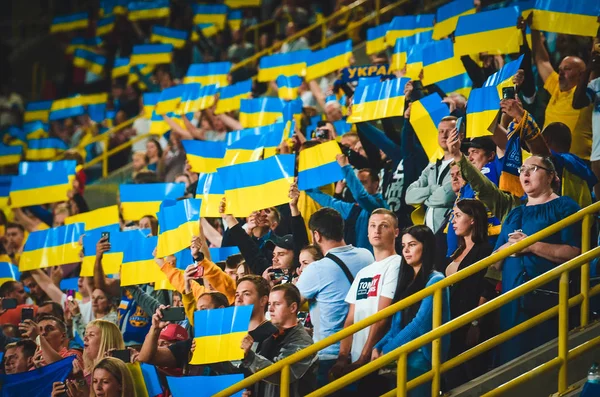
[[256, 28], [401, 353]]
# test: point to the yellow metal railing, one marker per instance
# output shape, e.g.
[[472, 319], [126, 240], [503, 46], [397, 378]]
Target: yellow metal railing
[[438, 331]]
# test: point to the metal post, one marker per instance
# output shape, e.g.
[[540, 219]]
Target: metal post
[[401, 376], [284, 388], [377, 12], [586, 227], [563, 330], [436, 345]]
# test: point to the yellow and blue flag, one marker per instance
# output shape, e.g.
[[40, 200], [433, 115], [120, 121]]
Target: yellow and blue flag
[[105, 25], [179, 222], [66, 108], [292, 111], [211, 191], [218, 334], [206, 29], [287, 64], [317, 166], [94, 99], [403, 46], [164, 35], [235, 136], [439, 62], [151, 54], [234, 19], [503, 77], [45, 148], [120, 68], [68, 23], [408, 25], [10, 155], [40, 188], [14, 136], [461, 84], [158, 126], [425, 115], [151, 380], [139, 200], [5, 182], [341, 127], [328, 60], [138, 265], [37, 382], [208, 73], [243, 3], [221, 254], [492, 31], [155, 9], [376, 39], [83, 43], [37, 110], [136, 71], [150, 100], [256, 185], [8, 272], [169, 100], [482, 110], [196, 97], [215, 14], [446, 17], [287, 87], [243, 150], [89, 60], [36, 167], [211, 385], [52, 247], [574, 17], [378, 100], [204, 156], [414, 61], [258, 112], [230, 96]]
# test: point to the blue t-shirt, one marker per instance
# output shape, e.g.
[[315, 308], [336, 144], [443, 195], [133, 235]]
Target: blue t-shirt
[[325, 285]]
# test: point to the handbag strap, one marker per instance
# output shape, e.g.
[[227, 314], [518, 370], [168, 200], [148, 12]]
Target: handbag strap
[[342, 266]]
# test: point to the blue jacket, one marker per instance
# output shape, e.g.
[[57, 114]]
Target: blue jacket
[[420, 325], [367, 202]]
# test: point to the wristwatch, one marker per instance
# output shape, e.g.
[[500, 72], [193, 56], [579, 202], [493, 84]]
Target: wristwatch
[[475, 323]]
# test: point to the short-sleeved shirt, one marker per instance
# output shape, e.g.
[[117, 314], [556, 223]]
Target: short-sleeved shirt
[[593, 92], [374, 281], [326, 286], [560, 109]]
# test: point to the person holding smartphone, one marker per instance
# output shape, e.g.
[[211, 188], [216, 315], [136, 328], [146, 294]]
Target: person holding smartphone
[[13, 299]]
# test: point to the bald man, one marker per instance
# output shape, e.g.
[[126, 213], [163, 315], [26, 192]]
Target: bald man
[[561, 87]]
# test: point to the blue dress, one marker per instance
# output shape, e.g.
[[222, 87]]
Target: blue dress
[[521, 268]]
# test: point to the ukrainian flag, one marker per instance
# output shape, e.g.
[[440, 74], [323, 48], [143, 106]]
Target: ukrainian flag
[[158, 126], [268, 143], [138, 265], [40, 188], [137, 70], [83, 43], [292, 111], [38, 110], [287, 87], [243, 3], [45, 148], [503, 77], [52, 247], [178, 222], [67, 23], [151, 54], [14, 136], [215, 14], [221, 254], [288, 64], [256, 185], [482, 109], [169, 100], [211, 385], [317, 166], [425, 115], [208, 73], [244, 150], [97, 112], [234, 19], [459, 84], [204, 156], [196, 97], [447, 16], [439, 62], [66, 108], [5, 182], [376, 39], [120, 68], [218, 334], [210, 189], [258, 112], [235, 136], [8, 272], [94, 99], [493, 31], [378, 100], [139, 200], [105, 25], [414, 61], [408, 25], [89, 60], [328, 60], [34, 167], [230, 96], [207, 30], [403, 45], [164, 35], [574, 17], [10, 155], [155, 9], [341, 127], [150, 100]]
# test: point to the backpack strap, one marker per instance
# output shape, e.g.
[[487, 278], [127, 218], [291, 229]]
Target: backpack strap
[[342, 266]]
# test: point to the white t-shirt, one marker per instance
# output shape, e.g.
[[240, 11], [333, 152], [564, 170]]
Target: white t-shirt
[[84, 308], [377, 279]]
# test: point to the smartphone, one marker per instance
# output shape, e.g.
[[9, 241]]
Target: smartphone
[[200, 272], [508, 93], [123, 355], [302, 317], [105, 235], [26, 314], [70, 294], [276, 273], [9, 303], [459, 123], [173, 314]]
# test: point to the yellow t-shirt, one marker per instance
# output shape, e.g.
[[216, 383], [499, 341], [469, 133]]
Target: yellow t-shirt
[[560, 109]]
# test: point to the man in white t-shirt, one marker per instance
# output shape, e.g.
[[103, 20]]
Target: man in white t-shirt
[[372, 290]]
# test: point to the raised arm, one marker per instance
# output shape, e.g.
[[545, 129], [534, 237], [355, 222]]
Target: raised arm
[[177, 129], [46, 284], [325, 200], [583, 97], [109, 286], [366, 201], [540, 55]]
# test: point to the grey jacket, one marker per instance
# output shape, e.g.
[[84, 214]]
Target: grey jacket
[[294, 340], [434, 192]]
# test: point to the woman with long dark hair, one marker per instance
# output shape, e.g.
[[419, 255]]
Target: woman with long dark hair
[[416, 273]]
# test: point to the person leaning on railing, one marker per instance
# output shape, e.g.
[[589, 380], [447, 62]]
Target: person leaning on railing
[[541, 208]]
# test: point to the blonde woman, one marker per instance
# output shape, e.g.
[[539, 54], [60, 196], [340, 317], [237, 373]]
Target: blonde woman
[[100, 337]]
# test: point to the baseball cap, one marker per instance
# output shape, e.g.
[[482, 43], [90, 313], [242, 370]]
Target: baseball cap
[[173, 333], [285, 242], [483, 142]]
